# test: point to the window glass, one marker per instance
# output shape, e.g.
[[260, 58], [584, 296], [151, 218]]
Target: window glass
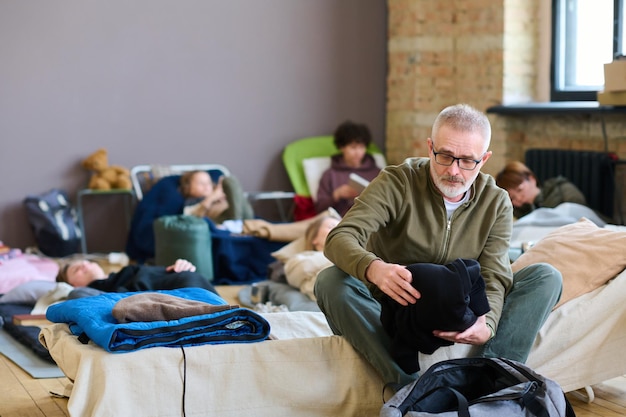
[[620, 33], [582, 44]]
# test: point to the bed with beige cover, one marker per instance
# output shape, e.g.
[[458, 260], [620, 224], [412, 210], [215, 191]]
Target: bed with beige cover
[[304, 370]]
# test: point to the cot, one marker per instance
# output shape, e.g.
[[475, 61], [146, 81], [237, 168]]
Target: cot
[[234, 258]]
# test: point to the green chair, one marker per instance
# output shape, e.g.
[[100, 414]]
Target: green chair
[[305, 161], [298, 151]]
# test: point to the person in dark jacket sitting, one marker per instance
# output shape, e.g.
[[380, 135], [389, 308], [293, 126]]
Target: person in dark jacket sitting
[[527, 194], [84, 273]]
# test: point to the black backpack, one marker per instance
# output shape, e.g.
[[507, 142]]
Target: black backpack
[[54, 223], [485, 387]]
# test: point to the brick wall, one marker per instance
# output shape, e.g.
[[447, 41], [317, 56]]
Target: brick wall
[[440, 53], [482, 53]]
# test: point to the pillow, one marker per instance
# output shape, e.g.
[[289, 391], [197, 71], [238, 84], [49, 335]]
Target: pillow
[[28, 292], [301, 270], [293, 248], [25, 268], [587, 256], [313, 170]]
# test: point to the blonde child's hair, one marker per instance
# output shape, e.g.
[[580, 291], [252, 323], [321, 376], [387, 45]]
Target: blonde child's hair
[[311, 231]]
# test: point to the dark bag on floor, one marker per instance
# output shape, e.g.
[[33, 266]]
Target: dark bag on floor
[[54, 223], [479, 387]]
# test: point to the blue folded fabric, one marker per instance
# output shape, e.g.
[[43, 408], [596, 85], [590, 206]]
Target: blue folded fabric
[[92, 318]]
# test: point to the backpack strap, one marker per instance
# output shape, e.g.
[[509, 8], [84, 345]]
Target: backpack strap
[[463, 408]]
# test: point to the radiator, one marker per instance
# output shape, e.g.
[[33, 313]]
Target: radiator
[[591, 171]]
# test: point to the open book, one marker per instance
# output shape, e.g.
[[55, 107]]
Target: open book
[[358, 182]]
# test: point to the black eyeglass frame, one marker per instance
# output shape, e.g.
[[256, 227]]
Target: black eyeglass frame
[[458, 160]]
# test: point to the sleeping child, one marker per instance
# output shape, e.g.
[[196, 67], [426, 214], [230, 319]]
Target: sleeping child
[[302, 268]]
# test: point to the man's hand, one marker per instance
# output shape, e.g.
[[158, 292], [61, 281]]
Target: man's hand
[[478, 334], [394, 280], [181, 265]]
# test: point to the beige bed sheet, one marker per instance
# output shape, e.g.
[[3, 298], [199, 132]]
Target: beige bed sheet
[[308, 371]]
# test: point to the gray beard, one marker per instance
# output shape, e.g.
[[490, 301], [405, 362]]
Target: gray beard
[[451, 192]]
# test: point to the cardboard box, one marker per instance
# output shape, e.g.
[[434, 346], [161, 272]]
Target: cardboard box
[[612, 98], [615, 76]]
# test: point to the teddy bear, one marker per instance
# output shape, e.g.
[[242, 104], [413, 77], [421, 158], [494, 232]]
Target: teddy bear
[[105, 176]]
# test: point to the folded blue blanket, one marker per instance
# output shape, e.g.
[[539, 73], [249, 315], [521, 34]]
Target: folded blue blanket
[[92, 318]]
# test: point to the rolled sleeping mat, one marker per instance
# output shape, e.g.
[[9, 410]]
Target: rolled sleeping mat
[[186, 237]]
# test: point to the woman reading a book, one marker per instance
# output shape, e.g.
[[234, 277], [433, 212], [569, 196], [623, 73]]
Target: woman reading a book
[[335, 188]]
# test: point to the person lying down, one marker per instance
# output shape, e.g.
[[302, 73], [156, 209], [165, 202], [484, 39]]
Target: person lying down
[[88, 278], [302, 268]]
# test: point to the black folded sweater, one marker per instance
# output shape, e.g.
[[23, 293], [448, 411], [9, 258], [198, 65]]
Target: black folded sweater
[[452, 298]]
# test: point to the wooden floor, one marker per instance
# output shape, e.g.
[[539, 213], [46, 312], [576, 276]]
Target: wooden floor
[[23, 396]]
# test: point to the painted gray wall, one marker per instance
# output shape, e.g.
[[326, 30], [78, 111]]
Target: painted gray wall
[[187, 81]]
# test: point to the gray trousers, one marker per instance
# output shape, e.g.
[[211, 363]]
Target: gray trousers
[[353, 313]]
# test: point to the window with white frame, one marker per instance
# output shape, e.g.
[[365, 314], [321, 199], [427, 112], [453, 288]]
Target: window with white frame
[[585, 36]]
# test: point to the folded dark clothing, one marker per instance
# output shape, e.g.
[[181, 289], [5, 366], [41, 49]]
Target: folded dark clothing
[[153, 306], [453, 296]]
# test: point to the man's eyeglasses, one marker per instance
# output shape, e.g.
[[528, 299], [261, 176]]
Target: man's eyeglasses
[[467, 164]]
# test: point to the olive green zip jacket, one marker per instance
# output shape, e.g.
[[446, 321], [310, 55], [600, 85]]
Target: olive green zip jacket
[[401, 218]]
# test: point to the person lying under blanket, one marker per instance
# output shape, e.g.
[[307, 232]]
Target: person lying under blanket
[[528, 194], [302, 268], [89, 278]]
